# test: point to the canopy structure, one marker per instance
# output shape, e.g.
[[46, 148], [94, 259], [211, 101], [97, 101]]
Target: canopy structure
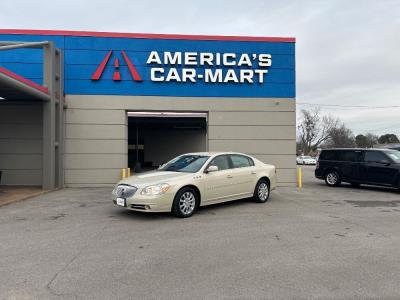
[[17, 89]]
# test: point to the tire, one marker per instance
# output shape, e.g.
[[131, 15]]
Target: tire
[[398, 186], [332, 178], [261, 191], [185, 203]]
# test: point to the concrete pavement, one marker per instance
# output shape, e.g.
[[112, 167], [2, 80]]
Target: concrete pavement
[[314, 243]]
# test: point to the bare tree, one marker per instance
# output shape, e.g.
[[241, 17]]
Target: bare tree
[[372, 139], [366, 141], [314, 130], [340, 137]]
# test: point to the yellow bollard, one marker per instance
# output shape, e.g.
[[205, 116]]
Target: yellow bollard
[[123, 173], [128, 172], [299, 178]]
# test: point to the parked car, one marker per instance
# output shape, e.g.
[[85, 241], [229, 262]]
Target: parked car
[[306, 160], [359, 166], [196, 179], [390, 146], [395, 148]]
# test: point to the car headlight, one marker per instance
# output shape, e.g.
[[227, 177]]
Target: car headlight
[[156, 189]]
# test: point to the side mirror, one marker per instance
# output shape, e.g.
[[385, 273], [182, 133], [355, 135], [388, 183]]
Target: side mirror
[[211, 169], [384, 162]]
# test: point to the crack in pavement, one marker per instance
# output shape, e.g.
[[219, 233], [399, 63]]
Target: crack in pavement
[[48, 285], [360, 225]]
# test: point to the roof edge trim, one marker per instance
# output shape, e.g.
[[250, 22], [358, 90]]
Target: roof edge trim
[[149, 35]]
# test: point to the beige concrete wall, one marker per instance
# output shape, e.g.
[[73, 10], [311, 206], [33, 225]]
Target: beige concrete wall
[[21, 143], [95, 145], [96, 132]]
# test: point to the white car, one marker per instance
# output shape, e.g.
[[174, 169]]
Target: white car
[[306, 160], [196, 179]]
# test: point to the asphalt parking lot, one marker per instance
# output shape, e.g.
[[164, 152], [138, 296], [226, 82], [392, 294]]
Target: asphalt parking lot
[[313, 243]]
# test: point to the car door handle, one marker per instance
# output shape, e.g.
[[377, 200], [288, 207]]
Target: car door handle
[[253, 172], [229, 176]]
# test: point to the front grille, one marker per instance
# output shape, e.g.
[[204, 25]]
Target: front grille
[[125, 191], [138, 206]]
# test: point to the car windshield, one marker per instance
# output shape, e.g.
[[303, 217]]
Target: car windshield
[[394, 155], [185, 163]]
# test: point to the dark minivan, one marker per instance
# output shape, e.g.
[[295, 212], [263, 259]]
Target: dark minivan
[[359, 166]]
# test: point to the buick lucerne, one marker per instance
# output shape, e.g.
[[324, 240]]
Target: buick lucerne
[[196, 179]]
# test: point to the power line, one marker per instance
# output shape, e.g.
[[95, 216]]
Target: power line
[[352, 107], [386, 128], [395, 127], [347, 106]]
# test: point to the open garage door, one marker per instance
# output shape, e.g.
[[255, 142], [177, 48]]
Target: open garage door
[[156, 137]]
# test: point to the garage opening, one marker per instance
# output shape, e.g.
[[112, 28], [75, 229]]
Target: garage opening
[[156, 137]]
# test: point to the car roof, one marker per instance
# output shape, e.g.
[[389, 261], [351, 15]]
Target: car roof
[[360, 149], [214, 153]]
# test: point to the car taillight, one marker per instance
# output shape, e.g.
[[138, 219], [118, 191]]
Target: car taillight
[[317, 165]]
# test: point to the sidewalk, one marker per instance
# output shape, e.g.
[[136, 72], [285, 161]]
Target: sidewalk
[[10, 194]]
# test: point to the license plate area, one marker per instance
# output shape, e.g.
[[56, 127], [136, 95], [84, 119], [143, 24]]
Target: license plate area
[[121, 202]]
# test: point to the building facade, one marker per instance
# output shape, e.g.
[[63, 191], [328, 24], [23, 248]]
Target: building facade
[[137, 100]]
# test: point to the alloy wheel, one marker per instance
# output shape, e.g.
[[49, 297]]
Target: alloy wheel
[[332, 178], [187, 203], [263, 191]]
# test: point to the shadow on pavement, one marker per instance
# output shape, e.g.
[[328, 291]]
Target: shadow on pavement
[[209, 209]]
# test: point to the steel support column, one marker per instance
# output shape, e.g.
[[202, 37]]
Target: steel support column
[[53, 119], [49, 119], [60, 107], [53, 107]]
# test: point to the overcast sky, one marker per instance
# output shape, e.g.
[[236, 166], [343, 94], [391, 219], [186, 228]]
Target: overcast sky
[[347, 52]]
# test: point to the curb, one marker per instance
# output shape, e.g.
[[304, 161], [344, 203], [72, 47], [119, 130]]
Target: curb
[[25, 197]]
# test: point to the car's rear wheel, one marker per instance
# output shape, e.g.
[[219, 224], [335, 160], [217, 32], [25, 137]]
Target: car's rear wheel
[[398, 185], [185, 203], [261, 191], [332, 178]]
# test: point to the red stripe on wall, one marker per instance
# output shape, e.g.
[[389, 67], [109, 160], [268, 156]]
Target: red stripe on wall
[[24, 80], [131, 68], [117, 76], [150, 35], [99, 71]]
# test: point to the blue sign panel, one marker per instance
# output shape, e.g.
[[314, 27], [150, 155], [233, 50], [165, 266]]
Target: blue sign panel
[[102, 65]]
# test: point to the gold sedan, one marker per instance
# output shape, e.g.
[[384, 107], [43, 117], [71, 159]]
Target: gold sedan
[[196, 179]]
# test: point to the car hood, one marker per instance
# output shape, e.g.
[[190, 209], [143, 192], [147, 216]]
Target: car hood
[[154, 177]]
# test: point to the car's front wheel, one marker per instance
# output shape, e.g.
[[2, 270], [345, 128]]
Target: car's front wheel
[[332, 178], [261, 191], [185, 203]]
